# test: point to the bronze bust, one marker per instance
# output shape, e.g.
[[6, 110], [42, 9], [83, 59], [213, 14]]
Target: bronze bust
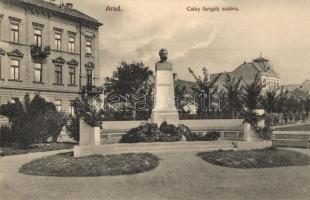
[[163, 64]]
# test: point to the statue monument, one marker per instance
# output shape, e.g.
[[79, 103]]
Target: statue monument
[[164, 107]]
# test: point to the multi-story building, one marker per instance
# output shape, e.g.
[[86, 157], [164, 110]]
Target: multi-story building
[[248, 70], [47, 49]]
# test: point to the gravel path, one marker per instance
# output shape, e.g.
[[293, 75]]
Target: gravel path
[[180, 175]]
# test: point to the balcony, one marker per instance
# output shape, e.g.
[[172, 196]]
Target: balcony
[[91, 90], [40, 53]]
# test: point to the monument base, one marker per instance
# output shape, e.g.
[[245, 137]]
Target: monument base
[[171, 117]]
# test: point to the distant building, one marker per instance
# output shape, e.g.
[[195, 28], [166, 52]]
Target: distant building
[[298, 90], [47, 49], [248, 71]]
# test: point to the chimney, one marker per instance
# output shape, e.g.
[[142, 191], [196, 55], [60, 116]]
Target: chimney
[[69, 5]]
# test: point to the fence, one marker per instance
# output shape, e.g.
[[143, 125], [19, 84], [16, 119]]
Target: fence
[[291, 139]]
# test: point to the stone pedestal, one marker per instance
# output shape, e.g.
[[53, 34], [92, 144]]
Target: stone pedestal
[[250, 134], [164, 109], [89, 135]]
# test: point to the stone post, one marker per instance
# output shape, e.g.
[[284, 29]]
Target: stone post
[[249, 133], [89, 136]]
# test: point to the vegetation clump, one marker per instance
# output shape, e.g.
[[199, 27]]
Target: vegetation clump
[[30, 122], [257, 158], [151, 133], [65, 165]]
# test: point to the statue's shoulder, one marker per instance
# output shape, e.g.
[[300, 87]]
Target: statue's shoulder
[[168, 63], [163, 65]]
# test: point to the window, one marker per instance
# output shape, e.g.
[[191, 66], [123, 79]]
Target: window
[[38, 37], [58, 74], [14, 100], [72, 75], [88, 47], [15, 33], [89, 75], [71, 108], [58, 41], [0, 25], [0, 68], [58, 105], [38, 72], [71, 44], [14, 73]]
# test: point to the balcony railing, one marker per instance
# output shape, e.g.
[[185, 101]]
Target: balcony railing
[[40, 53]]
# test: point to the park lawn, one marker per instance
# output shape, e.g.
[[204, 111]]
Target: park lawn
[[301, 127], [257, 158], [66, 165], [43, 147]]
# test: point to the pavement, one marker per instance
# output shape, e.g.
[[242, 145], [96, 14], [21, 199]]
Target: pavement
[[180, 175]]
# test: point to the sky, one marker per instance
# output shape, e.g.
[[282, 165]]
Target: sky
[[220, 41]]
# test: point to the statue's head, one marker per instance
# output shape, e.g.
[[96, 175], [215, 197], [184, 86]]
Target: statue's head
[[163, 54]]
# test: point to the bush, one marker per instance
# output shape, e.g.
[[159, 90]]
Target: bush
[[87, 112], [184, 130], [169, 133], [34, 121], [192, 136], [143, 133], [212, 136], [55, 122], [197, 136], [265, 133], [151, 133], [73, 128], [6, 136]]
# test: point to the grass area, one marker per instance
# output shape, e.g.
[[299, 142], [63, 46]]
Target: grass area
[[95, 165], [8, 151], [301, 127], [257, 158]]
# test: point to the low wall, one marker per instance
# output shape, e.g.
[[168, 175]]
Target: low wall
[[291, 139], [231, 129], [214, 124], [113, 130], [157, 147]]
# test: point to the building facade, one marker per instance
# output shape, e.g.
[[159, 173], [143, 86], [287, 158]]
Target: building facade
[[47, 49]]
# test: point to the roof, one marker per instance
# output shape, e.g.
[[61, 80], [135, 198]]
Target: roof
[[299, 93], [260, 59], [259, 68], [290, 87], [61, 9], [306, 84], [221, 81]]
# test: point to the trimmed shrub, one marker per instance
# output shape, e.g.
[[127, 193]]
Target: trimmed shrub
[[191, 136], [143, 133], [265, 133], [6, 136], [195, 136], [169, 133], [212, 136], [184, 130]]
